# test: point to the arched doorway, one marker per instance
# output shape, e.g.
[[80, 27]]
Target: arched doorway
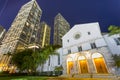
[[69, 65], [83, 66], [99, 63]]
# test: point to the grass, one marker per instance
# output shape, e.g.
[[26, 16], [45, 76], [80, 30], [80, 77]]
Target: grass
[[45, 78], [23, 78]]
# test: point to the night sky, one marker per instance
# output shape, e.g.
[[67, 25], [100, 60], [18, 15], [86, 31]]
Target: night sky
[[106, 12]]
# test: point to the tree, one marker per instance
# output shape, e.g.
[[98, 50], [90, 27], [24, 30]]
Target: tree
[[117, 60], [58, 69], [46, 52], [30, 59], [23, 60], [114, 29]]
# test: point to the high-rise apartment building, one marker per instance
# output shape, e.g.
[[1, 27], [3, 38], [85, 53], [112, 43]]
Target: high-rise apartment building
[[44, 34], [2, 33], [23, 30], [61, 27]]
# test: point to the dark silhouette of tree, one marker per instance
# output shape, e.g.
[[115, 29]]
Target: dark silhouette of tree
[[29, 59]]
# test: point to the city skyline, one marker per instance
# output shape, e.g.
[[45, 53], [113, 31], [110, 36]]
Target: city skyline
[[75, 12]]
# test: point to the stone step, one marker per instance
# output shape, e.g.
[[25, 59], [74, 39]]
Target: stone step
[[105, 76], [62, 78]]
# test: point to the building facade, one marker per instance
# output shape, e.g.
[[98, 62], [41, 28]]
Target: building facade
[[61, 27], [85, 51], [113, 43], [2, 33], [45, 31], [23, 31]]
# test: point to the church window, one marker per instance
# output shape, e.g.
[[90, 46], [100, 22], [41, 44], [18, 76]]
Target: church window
[[89, 33], [49, 61], [68, 40], [58, 59], [93, 45], [79, 48], [69, 51], [117, 40]]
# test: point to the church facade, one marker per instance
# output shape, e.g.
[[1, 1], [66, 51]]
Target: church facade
[[85, 51]]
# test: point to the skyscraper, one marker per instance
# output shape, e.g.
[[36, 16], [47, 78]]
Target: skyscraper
[[61, 27], [2, 33], [23, 30], [44, 34]]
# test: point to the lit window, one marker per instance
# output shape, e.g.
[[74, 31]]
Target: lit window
[[35, 5], [27, 24]]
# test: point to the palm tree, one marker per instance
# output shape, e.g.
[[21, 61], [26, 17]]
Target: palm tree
[[30, 59], [46, 52], [114, 30]]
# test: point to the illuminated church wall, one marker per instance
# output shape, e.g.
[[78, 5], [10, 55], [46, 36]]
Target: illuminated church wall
[[84, 38]]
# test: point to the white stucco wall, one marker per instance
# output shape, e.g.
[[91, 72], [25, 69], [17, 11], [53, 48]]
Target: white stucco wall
[[70, 43], [83, 29], [114, 48], [85, 40]]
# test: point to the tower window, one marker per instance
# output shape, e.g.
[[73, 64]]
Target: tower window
[[93, 45]]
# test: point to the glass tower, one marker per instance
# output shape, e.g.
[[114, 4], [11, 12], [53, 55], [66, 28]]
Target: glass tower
[[44, 34], [61, 27], [2, 33]]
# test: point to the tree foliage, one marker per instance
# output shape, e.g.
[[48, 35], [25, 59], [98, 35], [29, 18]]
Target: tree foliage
[[58, 69], [23, 60], [117, 60], [114, 30], [30, 59]]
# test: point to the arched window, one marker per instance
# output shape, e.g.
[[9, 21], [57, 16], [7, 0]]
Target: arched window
[[99, 63]]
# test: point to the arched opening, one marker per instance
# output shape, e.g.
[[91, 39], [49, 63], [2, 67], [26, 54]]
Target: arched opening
[[83, 66], [99, 63], [69, 65]]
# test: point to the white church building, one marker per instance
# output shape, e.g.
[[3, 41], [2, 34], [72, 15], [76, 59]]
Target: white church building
[[85, 51]]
